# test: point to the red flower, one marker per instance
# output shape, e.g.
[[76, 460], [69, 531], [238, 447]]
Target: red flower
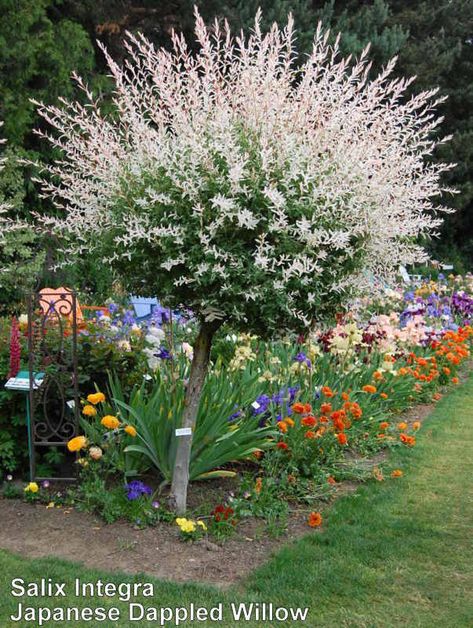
[[282, 445], [309, 421], [342, 439]]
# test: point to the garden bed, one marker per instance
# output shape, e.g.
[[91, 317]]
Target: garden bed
[[34, 531]]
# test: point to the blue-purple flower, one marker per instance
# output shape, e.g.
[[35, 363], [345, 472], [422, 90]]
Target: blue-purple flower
[[137, 489]]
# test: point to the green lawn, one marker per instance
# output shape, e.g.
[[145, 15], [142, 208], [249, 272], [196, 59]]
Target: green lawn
[[395, 553]]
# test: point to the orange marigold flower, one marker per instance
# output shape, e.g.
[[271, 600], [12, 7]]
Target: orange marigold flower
[[455, 380], [377, 375], [446, 370], [130, 430], [282, 445], [89, 411], [383, 425], [282, 426], [289, 422], [309, 421], [416, 425], [369, 389], [110, 422], [326, 408], [298, 408], [327, 391], [323, 419], [314, 520], [402, 426], [345, 396], [96, 398], [408, 440], [331, 480], [258, 485], [310, 434], [342, 438], [437, 396], [383, 396], [307, 408], [77, 443], [397, 473]]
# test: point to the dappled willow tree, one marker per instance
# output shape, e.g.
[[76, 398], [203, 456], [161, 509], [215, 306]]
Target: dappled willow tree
[[242, 185]]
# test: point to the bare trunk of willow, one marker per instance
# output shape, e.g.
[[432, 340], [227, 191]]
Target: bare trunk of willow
[[199, 367]]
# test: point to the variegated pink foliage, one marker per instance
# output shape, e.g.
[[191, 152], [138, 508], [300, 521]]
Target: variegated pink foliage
[[237, 177]]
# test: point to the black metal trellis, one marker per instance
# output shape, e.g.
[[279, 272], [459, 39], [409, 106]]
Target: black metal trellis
[[52, 350]]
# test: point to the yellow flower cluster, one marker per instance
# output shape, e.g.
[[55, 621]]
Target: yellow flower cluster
[[188, 526], [32, 487]]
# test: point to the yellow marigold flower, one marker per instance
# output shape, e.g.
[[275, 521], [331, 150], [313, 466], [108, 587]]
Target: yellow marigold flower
[[32, 487], [397, 473], [180, 521], [202, 525], [130, 430], [77, 443], [89, 411], [110, 422], [96, 398], [402, 426]]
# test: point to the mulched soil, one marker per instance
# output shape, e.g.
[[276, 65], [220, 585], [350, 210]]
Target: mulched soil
[[34, 531]]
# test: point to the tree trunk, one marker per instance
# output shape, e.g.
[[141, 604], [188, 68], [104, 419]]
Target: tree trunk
[[199, 367]]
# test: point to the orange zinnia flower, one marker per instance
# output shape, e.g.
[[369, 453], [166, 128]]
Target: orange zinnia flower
[[309, 421], [342, 439], [369, 389], [314, 520]]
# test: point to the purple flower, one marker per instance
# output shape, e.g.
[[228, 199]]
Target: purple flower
[[156, 504], [136, 489], [303, 359], [163, 353]]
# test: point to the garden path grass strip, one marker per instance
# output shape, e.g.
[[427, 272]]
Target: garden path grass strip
[[395, 553]]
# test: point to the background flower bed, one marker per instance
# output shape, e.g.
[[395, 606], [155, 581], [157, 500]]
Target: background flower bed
[[289, 419]]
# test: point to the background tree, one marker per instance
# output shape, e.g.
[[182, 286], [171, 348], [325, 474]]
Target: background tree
[[239, 184]]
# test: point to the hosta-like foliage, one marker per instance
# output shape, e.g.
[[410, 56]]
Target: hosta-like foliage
[[244, 185]]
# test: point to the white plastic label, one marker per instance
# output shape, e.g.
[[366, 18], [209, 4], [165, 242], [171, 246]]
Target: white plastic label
[[184, 431], [255, 405]]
